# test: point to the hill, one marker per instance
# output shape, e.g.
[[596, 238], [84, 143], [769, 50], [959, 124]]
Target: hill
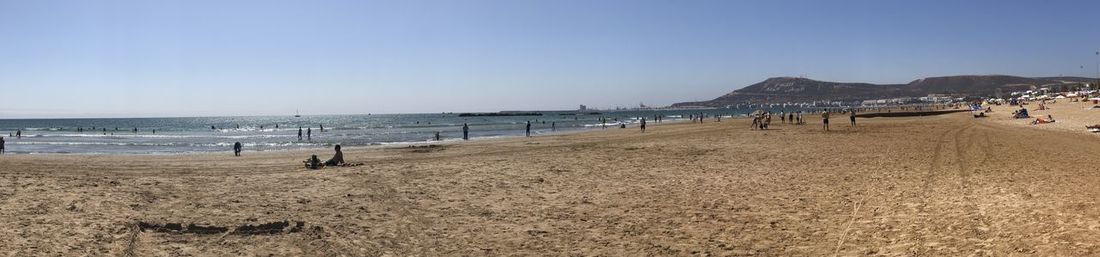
[[791, 89]]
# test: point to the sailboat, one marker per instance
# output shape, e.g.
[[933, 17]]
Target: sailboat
[[296, 115]]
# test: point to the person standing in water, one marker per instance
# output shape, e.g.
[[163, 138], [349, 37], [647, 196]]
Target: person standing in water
[[237, 149], [825, 119], [309, 134], [643, 125], [1, 145], [437, 136], [299, 133], [528, 128], [465, 131], [553, 126], [322, 127], [19, 134]]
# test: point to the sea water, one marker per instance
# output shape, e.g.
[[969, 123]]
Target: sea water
[[259, 133]]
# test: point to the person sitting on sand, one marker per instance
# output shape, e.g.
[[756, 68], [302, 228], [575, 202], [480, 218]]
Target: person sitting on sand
[[1021, 114], [336, 159], [314, 163]]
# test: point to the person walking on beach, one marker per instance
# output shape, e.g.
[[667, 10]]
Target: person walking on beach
[[783, 117], [643, 125], [528, 128], [309, 134], [825, 119], [1, 145], [237, 149], [299, 133], [852, 117], [465, 131]]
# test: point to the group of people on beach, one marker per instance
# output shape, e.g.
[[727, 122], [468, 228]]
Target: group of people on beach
[[761, 120]]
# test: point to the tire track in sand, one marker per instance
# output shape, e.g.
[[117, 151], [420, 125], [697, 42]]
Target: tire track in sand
[[935, 169], [969, 149]]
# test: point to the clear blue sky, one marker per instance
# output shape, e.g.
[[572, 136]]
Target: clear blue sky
[[187, 58]]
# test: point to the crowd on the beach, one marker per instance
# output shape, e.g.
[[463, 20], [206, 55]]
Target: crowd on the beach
[[761, 120]]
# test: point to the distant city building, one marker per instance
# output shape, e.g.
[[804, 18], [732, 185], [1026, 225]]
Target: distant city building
[[583, 108]]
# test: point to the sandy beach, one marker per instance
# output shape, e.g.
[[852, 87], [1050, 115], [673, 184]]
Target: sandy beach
[[1069, 116], [946, 185]]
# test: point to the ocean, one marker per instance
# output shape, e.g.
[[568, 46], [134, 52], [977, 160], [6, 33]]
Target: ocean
[[259, 133]]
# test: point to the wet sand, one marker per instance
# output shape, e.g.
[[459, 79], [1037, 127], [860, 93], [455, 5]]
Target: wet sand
[[946, 185]]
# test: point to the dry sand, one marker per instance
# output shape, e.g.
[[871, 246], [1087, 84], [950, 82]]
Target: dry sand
[[945, 185], [1069, 116]]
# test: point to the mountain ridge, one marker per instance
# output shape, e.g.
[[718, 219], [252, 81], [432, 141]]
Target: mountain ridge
[[798, 89]]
